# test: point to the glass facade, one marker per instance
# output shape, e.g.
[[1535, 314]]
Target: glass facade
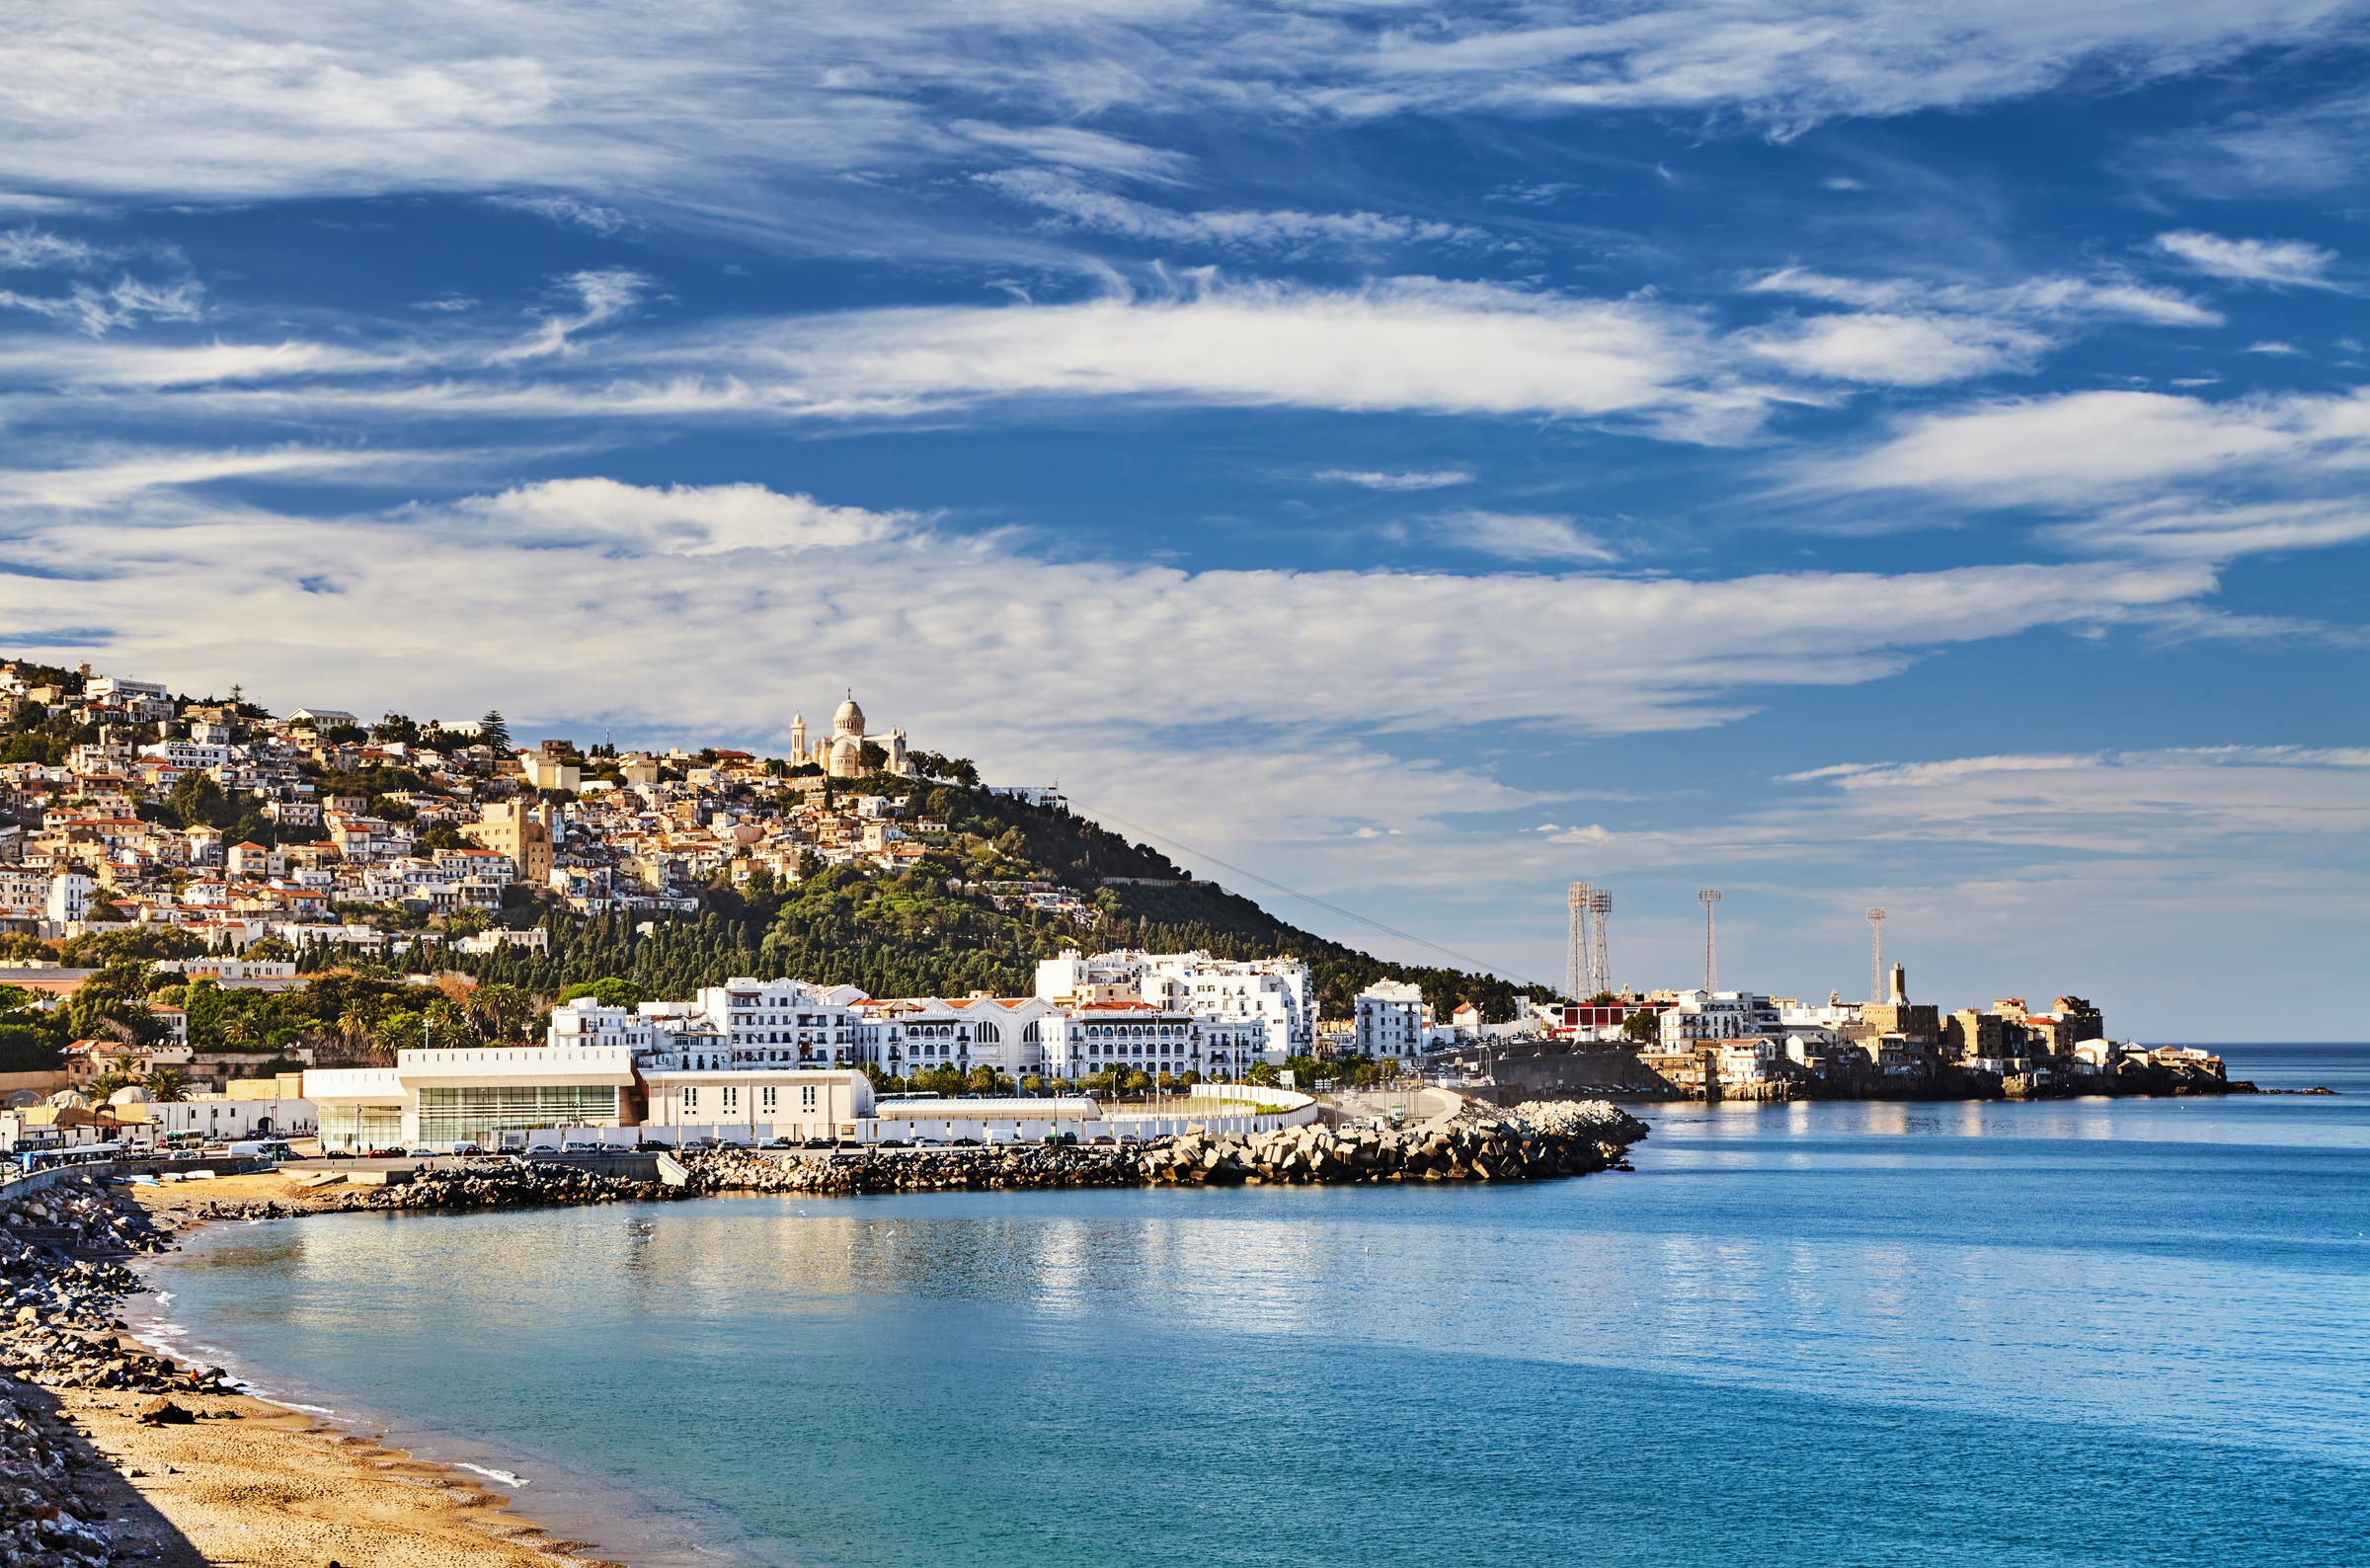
[[360, 1125], [469, 1116]]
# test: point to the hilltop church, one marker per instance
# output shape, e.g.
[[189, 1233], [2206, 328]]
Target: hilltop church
[[843, 755]]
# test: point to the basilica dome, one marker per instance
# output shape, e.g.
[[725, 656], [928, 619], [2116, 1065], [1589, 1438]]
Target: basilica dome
[[849, 720]]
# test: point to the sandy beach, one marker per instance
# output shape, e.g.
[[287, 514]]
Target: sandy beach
[[246, 1482], [275, 1489]]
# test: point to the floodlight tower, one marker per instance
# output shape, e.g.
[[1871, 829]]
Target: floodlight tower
[[1600, 906], [1875, 955], [1709, 897], [1576, 971]]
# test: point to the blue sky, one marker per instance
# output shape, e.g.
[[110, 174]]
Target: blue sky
[[1838, 452]]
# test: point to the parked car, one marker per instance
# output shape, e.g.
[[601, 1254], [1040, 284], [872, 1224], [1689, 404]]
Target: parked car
[[467, 1148], [967, 1143], [891, 1143], [726, 1143], [849, 1143], [1106, 1138], [653, 1149], [387, 1154], [817, 1143], [779, 1143], [971, 1097], [930, 1142], [1060, 1137], [336, 1153]]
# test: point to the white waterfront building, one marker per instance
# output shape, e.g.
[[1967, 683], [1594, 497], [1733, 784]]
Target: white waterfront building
[[1718, 1015], [1247, 1008]]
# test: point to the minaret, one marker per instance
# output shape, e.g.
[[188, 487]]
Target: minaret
[[1899, 986]]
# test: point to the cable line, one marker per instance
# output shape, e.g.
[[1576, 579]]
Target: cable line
[[1347, 915]]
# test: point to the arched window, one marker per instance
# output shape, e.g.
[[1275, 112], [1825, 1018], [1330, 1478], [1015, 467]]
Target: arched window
[[989, 1035], [1030, 1036]]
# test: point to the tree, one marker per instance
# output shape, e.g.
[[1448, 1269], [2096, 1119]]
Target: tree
[[107, 1083], [609, 992], [199, 802], [1642, 1026], [166, 1085], [493, 732]]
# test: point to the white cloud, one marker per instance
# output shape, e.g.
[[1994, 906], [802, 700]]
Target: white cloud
[[1520, 536], [624, 105], [95, 311], [1439, 479], [2272, 346], [605, 295], [1907, 332], [2290, 261], [1880, 347], [825, 589], [1085, 207], [2099, 447], [27, 249], [1412, 344], [567, 209], [681, 519]]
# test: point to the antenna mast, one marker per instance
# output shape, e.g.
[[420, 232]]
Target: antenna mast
[[1876, 955], [1575, 970], [1599, 905], [1709, 897]]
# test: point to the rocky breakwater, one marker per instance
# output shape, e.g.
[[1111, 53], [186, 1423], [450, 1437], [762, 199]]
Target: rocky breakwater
[[1007, 1168], [1506, 1148], [476, 1184], [1559, 1138], [59, 1330]]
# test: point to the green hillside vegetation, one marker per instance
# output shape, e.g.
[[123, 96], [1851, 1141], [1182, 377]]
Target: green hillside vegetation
[[907, 935]]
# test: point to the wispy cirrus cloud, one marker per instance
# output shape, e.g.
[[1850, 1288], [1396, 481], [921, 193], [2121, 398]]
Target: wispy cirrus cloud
[[1905, 332], [1525, 536], [625, 106], [1369, 479], [2290, 263], [1085, 207], [95, 312]]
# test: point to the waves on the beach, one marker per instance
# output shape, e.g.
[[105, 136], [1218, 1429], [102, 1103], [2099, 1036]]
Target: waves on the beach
[[504, 1476]]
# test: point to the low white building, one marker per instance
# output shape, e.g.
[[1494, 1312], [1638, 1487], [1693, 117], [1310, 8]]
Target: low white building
[[223, 1120], [438, 1099]]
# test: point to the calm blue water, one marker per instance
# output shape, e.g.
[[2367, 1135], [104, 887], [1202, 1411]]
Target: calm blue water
[[2071, 1333]]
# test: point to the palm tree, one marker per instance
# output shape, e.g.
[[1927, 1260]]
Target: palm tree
[[166, 1085], [238, 1029], [107, 1083], [355, 1023]]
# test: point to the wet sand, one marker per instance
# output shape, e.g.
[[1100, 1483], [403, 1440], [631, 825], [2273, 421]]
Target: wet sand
[[276, 1489]]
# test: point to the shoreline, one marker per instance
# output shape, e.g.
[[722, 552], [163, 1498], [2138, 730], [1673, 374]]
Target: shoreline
[[113, 1451], [149, 1456]]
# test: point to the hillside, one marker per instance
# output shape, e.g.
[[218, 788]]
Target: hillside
[[906, 935]]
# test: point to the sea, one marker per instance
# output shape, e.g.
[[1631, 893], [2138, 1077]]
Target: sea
[[2064, 1332]]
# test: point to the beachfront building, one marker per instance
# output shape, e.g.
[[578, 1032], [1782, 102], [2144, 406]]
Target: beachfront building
[[752, 1102], [436, 1099]]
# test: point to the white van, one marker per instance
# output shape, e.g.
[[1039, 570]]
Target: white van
[[271, 1148]]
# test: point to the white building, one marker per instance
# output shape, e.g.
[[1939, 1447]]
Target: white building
[[1718, 1015], [1390, 1021], [1269, 1000], [69, 897]]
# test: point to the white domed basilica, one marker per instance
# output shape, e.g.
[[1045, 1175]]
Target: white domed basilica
[[843, 755]]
